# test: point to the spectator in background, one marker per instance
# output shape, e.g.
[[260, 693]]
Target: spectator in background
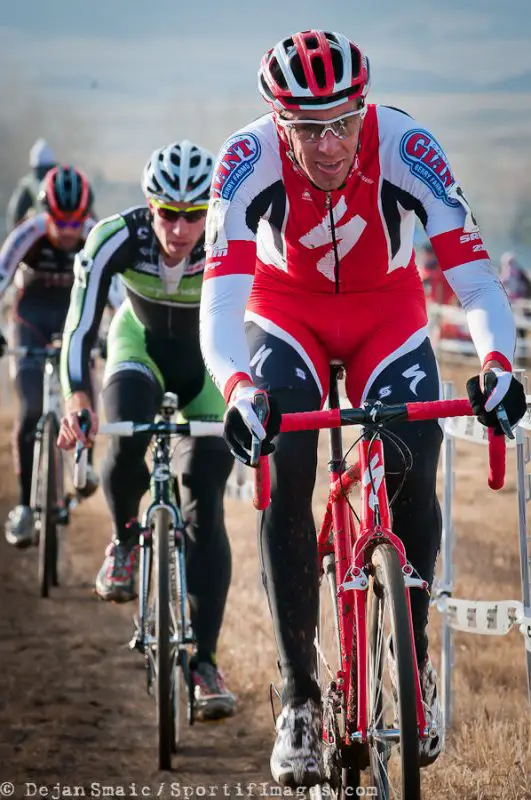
[[514, 277], [517, 284], [438, 290], [24, 199], [436, 287]]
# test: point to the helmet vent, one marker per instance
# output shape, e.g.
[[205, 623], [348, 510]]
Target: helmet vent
[[356, 62], [337, 63], [278, 75]]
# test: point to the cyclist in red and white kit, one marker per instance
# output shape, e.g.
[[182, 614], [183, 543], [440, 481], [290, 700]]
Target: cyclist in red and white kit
[[310, 236], [39, 255]]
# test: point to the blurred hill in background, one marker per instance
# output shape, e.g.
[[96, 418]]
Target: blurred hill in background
[[107, 82]]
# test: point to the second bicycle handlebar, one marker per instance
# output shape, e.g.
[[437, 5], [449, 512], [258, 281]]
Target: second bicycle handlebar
[[374, 414], [194, 428]]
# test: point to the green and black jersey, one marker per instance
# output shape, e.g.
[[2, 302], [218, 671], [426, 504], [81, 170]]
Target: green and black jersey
[[165, 313]]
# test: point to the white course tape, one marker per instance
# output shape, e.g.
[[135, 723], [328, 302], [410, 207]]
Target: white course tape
[[457, 316], [471, 430], [494, 618], [525, 422], [240, 485]]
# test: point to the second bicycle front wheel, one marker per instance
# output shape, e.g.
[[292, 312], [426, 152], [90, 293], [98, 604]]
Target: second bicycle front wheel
[[391, 713], [164, 667], [45, 476]]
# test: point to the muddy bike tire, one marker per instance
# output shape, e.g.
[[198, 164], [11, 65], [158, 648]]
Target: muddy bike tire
[[164, 671], [46, 495], [387, 597]]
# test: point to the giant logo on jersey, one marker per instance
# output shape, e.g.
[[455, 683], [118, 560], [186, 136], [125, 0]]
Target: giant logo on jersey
[[235, 164], [427, 161]]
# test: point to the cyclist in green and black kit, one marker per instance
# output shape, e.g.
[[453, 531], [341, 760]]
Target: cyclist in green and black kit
[[153, 346]]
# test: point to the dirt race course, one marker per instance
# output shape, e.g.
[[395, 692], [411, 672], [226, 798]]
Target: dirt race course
[[73, 707]]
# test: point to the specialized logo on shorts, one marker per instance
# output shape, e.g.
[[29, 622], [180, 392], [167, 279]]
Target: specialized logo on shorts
[[259, 359], [428, 163], [235, 164], [416, 374]]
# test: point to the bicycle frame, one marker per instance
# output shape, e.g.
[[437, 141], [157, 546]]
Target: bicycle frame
[[352, 557], [51, 406], [52, 402], [359, 555], [163, 497], [163, 629]]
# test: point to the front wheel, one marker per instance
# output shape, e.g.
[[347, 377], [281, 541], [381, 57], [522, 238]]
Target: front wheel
[[392, 714], [164, 688], [45, 501]]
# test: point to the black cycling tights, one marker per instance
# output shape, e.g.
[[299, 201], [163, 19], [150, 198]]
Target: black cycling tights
[[287, 535], [38, 316], [205, 464]]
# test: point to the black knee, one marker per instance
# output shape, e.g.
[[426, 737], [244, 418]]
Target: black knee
[[29, 389], [128, 395], [294, 462]]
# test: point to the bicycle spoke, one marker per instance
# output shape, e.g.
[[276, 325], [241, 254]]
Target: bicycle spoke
[[323, 659]]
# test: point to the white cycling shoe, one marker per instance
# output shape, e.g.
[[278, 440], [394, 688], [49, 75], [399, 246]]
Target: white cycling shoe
[[297, 759], [20, 527]]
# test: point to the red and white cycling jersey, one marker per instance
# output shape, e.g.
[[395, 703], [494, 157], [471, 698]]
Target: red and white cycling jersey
[[269, 224], [41, 263]]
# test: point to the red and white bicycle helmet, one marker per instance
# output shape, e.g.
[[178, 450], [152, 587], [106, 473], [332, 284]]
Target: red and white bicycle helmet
[[313, 69], [65, 193]]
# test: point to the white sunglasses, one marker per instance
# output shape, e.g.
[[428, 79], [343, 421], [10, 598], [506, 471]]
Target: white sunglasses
[[311, 130]]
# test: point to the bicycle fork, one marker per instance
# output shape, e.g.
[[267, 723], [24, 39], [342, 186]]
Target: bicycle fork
[[143, 637], [375, 529]]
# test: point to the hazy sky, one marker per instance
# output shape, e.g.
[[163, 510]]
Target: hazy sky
[[107, 81]]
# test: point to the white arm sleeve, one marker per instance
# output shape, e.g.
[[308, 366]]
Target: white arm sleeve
[[221, 325], [487, 307], [17, 245]]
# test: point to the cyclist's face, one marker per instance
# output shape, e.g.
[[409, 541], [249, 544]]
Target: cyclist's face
[[328, 159], [178, 233], [63, 235]]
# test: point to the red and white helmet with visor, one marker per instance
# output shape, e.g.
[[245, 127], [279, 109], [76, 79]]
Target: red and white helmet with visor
[[313, 70]]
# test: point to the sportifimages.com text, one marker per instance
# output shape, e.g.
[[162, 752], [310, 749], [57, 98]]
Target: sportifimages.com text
[[56, 791]]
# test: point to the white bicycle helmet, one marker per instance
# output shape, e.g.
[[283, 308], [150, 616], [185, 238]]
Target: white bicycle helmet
[[180, 172], [41, 154]]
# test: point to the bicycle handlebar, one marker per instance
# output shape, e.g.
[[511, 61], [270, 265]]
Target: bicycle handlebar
[[378, 414], [194, 428], [49, 351]]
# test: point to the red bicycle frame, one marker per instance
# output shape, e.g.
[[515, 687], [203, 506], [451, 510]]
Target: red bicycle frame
[[351, 547]]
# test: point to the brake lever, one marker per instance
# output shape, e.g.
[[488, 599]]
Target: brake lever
[[261, 409]]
